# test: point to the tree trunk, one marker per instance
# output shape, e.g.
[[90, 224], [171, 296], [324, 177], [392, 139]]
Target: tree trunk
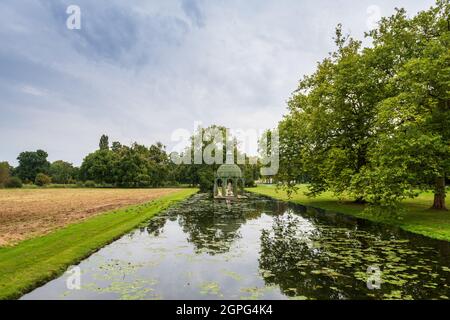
[[439, 194]]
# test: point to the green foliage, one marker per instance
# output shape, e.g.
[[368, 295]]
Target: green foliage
[[373, 122], [42, 180], [32, 163], [53, 253], [414, 213], [104, 142], [89, 184], [13, 183], [206, 176], [98, 166], [5, 173], [202, 175], [123, 166], [62, 172], [80, 184]]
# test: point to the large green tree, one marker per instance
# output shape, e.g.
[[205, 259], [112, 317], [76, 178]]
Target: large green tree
[[412, 150], [62, 172], [128, 166], [375, 122], [104, 142], [5, 173], [212, 141], [334, 112], [32, 163]]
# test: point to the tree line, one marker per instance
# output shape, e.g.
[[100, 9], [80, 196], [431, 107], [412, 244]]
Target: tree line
[[374, 122], [117, 165]]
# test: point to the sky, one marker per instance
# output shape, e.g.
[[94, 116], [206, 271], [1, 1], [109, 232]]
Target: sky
[[142, 70]]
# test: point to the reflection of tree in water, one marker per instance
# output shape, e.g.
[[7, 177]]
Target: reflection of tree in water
[[283, 251], [156, 225], [331, 263], [213, 226]]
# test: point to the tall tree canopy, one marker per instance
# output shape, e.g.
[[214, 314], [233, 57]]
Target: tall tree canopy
[[374, 122], [5, 173], [32, 163], [104, 142], [134, 166], [62, 172]]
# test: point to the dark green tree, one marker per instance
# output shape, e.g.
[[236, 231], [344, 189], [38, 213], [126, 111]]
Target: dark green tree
[[412, 148], [42, 180], [5, 173], [98, 166], [374, 122], [104, 142], [62, 172], [32, 163]]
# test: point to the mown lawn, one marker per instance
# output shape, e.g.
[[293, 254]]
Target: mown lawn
[[417, 218], [33, 262]]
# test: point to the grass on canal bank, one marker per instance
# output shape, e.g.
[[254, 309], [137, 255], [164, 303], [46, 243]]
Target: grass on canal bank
[[418, 216], [33, 262]]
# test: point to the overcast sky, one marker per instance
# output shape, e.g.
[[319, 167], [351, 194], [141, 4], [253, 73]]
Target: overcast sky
[[138, 70]]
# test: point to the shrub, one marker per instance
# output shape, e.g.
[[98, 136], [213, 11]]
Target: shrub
[[90, 184], [5, 173], [80, 184], [13, 182], [42, 180]]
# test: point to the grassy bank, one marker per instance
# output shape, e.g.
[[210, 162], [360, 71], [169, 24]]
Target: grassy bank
[[33, 262], [418, 217]]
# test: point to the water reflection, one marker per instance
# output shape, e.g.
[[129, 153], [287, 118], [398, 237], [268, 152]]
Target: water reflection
[[331, 262], [259, 249], [212, 226]]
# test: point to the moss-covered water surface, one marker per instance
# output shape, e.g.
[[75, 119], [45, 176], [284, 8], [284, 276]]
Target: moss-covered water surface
[[260, 248]]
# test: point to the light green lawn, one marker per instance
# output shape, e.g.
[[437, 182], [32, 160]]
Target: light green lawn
[[418, 216], [33, 262]]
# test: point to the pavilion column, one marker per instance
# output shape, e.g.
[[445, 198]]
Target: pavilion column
[[235, 187], [224, 188]]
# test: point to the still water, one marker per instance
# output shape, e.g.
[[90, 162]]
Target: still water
[[260, 248]]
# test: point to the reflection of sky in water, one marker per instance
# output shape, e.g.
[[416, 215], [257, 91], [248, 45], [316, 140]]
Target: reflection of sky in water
[[205, 250]]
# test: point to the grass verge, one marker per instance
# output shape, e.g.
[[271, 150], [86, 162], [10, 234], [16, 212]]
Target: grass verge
[[418, 217], [33, 262]]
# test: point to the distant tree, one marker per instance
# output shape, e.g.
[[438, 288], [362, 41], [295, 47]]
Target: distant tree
[[373, 123], [62, 172], [203, 175], [116, 146], [98, 166], [104, 142], [159, 164], [334, 114], [5, 173], [42, 180], [32, 163], [13, 182], [130, 166], [412, 148], [251, 173]]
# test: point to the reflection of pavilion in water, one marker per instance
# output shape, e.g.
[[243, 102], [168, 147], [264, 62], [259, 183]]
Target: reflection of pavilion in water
[[213, 226], [229, 183]]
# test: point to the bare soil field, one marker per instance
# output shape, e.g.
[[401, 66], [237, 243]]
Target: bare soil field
[[27, 213]]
